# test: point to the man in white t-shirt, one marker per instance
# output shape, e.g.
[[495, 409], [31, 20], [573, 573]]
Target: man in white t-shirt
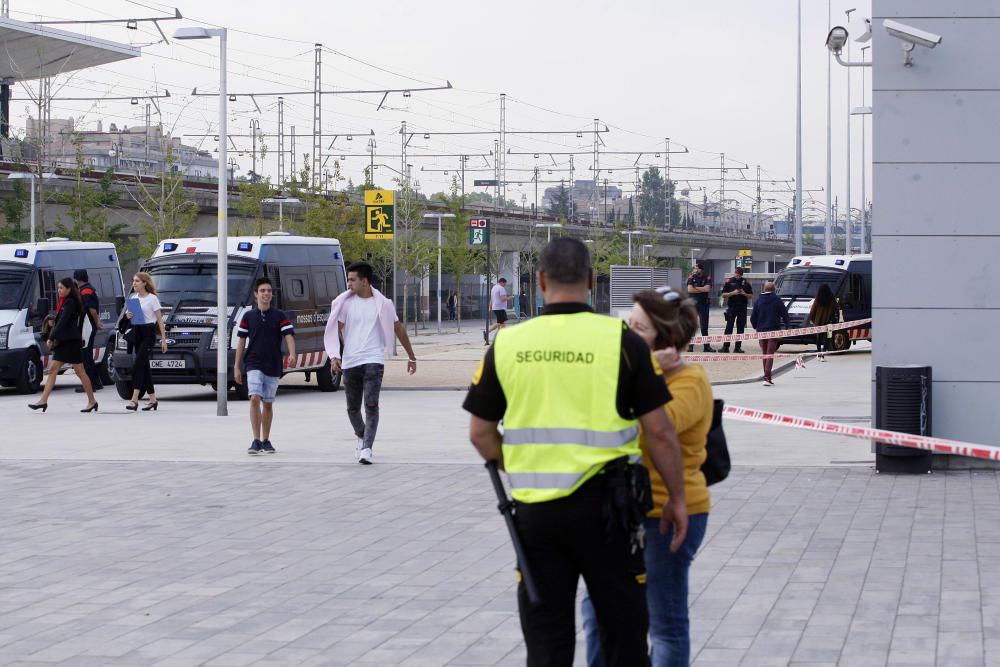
[[368, 322], [498, 304]]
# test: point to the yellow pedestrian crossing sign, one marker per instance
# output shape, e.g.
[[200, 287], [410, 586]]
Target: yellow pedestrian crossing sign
[[380, 214]]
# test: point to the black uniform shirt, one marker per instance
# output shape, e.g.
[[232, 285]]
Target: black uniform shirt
[[89, 296], [695, 280], [641, 387], [733, 284]]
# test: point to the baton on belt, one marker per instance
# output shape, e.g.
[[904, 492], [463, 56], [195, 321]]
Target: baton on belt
[[506, 507]]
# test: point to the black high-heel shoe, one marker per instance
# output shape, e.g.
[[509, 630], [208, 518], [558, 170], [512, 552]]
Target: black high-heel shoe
[[151, 406], [92, 408], [39, 406], [132, 405]]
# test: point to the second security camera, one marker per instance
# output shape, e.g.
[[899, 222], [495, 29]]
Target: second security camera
[[911, 35]]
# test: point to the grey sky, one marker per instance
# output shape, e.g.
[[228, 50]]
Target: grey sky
[[716, 76]]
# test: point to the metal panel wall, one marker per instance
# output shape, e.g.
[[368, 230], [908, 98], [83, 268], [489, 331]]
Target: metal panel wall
[[936, 164]]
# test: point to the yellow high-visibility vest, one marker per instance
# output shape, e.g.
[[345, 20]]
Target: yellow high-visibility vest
[[560, 376]]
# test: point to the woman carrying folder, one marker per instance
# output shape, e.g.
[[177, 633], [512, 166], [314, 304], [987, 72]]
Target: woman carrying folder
[[143, 311], [66, 342]]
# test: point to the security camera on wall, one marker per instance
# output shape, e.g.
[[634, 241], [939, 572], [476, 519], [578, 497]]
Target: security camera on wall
[[910, 34]]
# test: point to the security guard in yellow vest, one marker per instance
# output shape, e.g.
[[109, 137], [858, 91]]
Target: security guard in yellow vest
[[572, 388]]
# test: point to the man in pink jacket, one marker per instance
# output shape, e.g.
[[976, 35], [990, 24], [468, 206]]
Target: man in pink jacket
[[367, 321]]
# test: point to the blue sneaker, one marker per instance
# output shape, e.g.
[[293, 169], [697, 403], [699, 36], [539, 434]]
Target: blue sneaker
[[267, 447], [255, 448]]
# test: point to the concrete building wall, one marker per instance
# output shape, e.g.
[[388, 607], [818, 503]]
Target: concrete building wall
[[935, 236]]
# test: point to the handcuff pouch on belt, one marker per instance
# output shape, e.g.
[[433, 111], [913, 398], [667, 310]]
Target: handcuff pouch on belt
[[628, 498]]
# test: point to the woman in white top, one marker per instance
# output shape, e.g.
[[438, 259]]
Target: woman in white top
[[145, 338]]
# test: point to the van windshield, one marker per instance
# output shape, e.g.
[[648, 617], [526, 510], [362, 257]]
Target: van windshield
[[12, 280], [805, 282], [176, 282]]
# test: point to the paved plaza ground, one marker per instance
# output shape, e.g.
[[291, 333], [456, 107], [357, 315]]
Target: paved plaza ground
[[153, 539]]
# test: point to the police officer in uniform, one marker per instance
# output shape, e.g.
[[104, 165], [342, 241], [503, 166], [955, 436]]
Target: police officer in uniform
[[91, 307], [736, 292], [572, 388], [699, 288]]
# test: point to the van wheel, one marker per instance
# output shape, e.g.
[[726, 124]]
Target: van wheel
[[124, 389], [29, 381], [106, 369], [326, 378], [841, 340]]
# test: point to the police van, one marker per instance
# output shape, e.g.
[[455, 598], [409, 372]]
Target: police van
[[307, 274], [850, 279], [29, 273]]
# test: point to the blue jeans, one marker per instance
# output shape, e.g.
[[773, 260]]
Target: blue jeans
[[666, 597]]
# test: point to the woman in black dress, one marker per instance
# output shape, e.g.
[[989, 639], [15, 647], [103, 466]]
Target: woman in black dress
[[66, 342]]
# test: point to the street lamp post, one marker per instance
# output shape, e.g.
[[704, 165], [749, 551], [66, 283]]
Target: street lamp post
[[693, 251], [281, 201], [439, 216], [222, 252], [630, 234], [31, 177], [847, 232], [548, 226]]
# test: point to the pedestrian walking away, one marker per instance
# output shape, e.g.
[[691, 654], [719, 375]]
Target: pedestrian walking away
[[65, 339], [736, 292], [769, 314], [452, 302], [498, 304], [91, 309], [572, 388], [699, 288], [666, 321], [145, 323], [367, 322], [258, 353], [824, 310]]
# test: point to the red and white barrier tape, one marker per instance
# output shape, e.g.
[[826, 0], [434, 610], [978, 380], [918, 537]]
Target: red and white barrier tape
[[940, 445], [781, 333], [800, 357]]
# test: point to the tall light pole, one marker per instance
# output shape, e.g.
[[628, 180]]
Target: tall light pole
[[828, 231], [222, 253], [548, 226], [847, 206], [281, 201], [864, 175], [630, 234], [439, 216], [20, 175], [798, 137]]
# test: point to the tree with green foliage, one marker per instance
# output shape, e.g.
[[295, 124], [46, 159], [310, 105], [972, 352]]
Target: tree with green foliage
[[250, 208], [14, 209], [169, 213], [457, 257], [413, 249], [559, 201], [608, 249], [88, 205]]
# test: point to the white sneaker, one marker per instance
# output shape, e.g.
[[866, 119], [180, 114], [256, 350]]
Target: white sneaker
[[768, 383], [358, 447], [365, 456]]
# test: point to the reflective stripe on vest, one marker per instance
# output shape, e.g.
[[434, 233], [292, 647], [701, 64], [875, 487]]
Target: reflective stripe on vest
[[561, 426], [570, 436]]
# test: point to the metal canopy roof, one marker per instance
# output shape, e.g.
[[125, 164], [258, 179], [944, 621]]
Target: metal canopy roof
[[29, 51]]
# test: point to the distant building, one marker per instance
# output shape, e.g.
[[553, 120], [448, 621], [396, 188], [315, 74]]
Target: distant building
[[137, 150]]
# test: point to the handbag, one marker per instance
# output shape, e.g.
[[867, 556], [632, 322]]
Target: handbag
[[717, 465]]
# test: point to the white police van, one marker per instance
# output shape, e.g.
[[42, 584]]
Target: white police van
[[850, 279], [307, 274], [29, 273]]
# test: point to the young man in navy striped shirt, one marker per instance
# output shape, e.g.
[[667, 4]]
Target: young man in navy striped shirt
[[260, 332]]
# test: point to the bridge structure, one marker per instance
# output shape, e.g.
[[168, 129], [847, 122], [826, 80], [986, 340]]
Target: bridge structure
[[513, 232]]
